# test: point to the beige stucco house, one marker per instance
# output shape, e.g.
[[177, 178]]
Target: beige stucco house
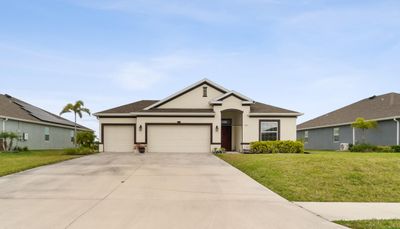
[[199, 118]]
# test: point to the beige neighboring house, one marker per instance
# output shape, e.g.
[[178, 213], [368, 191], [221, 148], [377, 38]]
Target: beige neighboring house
[[197, 119]]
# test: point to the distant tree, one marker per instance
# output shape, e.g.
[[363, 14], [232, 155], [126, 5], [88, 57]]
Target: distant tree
[[77, 109], [364, 125]]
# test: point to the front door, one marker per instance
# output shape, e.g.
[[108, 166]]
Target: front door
[[226, 134]]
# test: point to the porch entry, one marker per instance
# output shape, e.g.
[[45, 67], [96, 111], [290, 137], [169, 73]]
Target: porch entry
[[226, 134]]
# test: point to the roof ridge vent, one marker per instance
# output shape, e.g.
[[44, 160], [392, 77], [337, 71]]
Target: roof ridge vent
[[8, 96], [372, 97]]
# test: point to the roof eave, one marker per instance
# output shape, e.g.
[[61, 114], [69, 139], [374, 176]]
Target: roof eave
[[45, 123], [158, 114], [296, 114]]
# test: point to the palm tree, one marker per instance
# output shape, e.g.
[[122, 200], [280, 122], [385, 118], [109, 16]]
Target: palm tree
[[10, 136], [77, 109]]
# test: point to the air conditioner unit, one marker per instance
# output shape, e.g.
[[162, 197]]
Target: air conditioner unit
[[344, 146], [25, 136]]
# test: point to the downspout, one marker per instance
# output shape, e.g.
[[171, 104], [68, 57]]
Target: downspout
[[3, 130], [398, 131], [4, 124], [354, 136]]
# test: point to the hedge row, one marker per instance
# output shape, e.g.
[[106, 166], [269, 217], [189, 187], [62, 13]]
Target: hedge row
[[373, 148], [277, 147]]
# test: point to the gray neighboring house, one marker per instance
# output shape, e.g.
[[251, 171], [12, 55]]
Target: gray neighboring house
[[330, 130], [37, 128]]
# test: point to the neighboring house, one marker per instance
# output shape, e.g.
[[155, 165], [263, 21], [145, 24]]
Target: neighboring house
[[330, 130], [199, 118], [37, 128]]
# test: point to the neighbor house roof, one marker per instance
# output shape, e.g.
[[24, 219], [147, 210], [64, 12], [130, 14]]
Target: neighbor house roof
[[14, 108], [373, 108]]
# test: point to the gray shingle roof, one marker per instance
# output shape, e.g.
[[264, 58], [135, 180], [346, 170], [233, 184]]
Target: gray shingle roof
[[265, 108], [140, 105], [131, 107], [375, 107], [14, 108]]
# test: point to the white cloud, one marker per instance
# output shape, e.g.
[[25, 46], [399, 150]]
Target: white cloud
[[197, 11], [137, 76], [141, 75]]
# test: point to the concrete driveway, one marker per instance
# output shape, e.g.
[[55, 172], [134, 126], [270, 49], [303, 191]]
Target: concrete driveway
[[125, 190]]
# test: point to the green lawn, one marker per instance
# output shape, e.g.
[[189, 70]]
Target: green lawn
[[371, 224], [16, 162], [325, 176]]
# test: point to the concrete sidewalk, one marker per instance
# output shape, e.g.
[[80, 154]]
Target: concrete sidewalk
[[352, 211]]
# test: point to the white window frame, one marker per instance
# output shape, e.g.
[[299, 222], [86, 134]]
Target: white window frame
[[336, 133], [72, 135], [47, 133], [277, 131], [306, 136]]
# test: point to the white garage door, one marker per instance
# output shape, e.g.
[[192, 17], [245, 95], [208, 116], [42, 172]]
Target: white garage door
[[178, 138], [119, 138]]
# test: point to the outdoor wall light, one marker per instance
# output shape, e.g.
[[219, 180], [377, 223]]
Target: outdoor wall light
[[216, 128], [140, 128]]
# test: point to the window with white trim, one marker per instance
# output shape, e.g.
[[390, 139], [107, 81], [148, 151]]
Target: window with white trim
[[47, 134], [269, 130], [306, 136], [336, 134], [72, 135]]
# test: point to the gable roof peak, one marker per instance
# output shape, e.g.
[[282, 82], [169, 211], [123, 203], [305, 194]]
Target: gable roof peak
[[246, 100], [183, 91]]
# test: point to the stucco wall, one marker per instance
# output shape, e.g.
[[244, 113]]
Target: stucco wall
[[231, 108], [287, 128], [59, 137], [194, 99]]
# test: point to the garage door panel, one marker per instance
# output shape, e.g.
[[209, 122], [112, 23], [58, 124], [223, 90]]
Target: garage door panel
[[119, 138], [179, 138]]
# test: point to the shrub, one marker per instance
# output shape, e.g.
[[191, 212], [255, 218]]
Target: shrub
[[396, 149], [8, 139], [384, 149], [277, 147], [219, 150], [80, 151], [20, 149], [85, 139], [371, 148], [363, 148]]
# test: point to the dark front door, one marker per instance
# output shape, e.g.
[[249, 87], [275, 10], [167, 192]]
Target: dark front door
[[226, 134]]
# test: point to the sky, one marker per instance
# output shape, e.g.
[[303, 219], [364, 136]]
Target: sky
[[312, 56]]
